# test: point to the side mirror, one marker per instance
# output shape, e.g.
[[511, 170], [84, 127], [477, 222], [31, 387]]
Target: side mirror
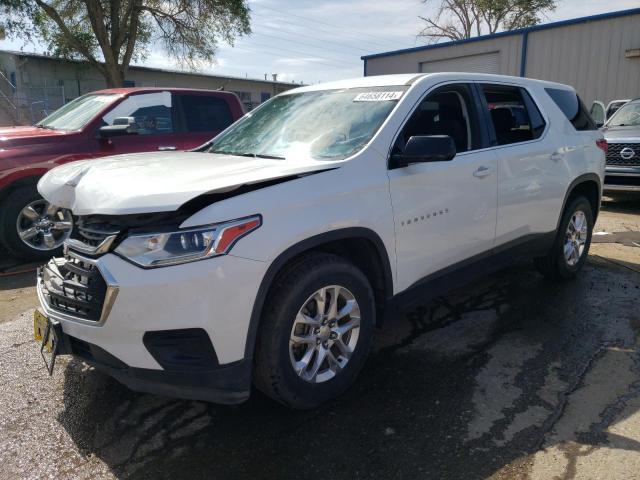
[[121, 126], [426, 148]]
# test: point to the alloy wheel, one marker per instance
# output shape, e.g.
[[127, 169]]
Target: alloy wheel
[[324, 334], [43, 226], [576, 238]]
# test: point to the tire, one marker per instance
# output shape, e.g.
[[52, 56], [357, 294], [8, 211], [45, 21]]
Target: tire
[[556, 265], [274, 372], [10, 211]]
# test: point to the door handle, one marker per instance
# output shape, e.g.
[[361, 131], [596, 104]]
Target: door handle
[[482, 172], [168, 147]]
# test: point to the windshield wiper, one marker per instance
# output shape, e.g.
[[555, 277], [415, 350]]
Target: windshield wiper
[[39, 125], [248, 154], [262, 155]]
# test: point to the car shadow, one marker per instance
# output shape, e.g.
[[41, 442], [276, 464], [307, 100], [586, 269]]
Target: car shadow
[[457, 387], [622, 203], [13, 281]]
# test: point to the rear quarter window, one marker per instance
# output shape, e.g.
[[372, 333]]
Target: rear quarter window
[[573, 108]]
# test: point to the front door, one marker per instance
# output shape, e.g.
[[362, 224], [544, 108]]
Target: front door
[[444, 211], [153, 117]]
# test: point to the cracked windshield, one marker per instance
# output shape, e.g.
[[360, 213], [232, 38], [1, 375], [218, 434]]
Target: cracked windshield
[[323, 125]]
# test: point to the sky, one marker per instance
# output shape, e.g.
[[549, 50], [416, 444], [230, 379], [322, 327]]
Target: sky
[[311, 41]]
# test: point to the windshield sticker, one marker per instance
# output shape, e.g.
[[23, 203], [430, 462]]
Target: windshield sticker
[[377, 96]]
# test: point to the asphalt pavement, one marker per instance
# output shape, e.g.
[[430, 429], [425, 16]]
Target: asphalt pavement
[[509, 377]]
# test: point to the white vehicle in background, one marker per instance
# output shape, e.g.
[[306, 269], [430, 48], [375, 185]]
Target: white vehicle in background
[[269, 254], [601, 115]]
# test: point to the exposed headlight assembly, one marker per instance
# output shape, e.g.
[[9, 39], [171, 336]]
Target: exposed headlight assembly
[[151, 250]]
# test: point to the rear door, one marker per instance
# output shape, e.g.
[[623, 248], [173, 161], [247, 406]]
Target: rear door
[[203, 116], [444, 211], [530, 163], [153, 116]]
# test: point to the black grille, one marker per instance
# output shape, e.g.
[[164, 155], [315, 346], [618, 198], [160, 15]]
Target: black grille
[[622, 180], [92, 230], [614, 157], [73, 286]]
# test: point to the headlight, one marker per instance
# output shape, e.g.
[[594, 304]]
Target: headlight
[[188, 245]]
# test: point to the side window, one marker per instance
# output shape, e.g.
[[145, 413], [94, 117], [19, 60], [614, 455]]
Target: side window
[[597, 113], [613, 108], [151, 113], [205, 113], [536, 121], [447, 111], [573, 108], [514, 115]]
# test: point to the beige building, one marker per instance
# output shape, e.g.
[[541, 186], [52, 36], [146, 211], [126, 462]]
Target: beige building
[[598, 55], [31, 85]]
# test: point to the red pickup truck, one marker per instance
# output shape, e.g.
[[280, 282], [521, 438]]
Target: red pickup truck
[[106, 122]]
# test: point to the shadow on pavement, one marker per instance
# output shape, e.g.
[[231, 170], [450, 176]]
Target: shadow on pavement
[[17, 280], [622, 203], [459, 387]]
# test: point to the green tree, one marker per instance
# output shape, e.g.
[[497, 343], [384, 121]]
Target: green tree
[[110, 34], [459, 19]]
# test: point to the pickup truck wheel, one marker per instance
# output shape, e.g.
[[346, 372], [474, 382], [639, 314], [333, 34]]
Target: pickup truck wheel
[[571, 247], [315, 332], [32, 228]]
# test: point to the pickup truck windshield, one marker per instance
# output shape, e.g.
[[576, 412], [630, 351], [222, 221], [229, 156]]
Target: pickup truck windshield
[[77, 113], [324, 125], [627, 116]]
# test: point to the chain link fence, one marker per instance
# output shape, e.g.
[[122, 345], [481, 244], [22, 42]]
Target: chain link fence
[[29, 105]]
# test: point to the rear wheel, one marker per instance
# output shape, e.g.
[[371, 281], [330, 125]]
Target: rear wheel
[[32, 228], [315, 333], [571, 247]]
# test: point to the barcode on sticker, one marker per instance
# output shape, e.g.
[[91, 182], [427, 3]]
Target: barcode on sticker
[[377, 96]]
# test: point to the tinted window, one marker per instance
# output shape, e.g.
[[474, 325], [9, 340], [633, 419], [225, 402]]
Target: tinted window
[[514, 114], [152, 113], [206, 114], [535, 117], [447, 111], [573, 108]]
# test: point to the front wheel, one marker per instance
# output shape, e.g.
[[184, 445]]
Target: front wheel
[[30, 227], [571, 247], [315, 333]]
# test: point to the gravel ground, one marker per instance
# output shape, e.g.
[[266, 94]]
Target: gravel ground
[[510, 377]]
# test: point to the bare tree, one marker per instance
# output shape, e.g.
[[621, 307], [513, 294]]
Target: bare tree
[[110, 34], [460, 19]]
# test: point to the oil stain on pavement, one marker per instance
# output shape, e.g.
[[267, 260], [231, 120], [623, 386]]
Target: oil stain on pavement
[[509, 377]]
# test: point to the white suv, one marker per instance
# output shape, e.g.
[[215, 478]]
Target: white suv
[[269, 254]]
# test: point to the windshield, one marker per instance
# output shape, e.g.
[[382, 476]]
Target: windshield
[[77, 113], [627, 116], [324, 125]]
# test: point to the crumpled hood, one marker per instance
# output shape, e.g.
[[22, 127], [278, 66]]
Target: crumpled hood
[[158, 182]]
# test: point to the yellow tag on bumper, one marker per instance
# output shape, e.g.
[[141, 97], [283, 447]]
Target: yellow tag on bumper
[[40, 322]]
